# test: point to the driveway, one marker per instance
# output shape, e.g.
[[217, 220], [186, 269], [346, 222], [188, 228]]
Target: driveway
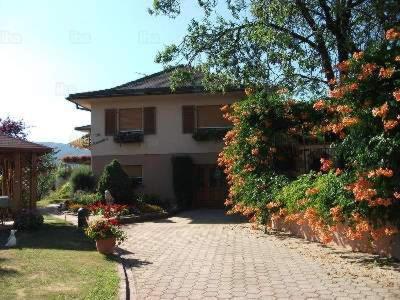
[[204, 254]]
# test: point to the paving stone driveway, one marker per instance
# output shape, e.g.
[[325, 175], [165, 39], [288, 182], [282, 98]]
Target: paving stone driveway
[[206, 255]]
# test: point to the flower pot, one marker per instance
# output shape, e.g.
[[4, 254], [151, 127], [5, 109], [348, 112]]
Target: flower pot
[[106, 246]]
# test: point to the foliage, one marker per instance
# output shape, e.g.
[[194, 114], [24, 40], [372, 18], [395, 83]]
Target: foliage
[[28, 220], [13, 128], [146, 208], [108, 210], [46, 183], [102, 229], [360, 116], [259, 43], [86, 198], [182, 173], [82, 179], [63, 171], [117, 182], [151, 199]]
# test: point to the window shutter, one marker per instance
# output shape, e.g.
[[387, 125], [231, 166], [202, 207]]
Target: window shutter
[[149, 114], [110, 122], [211, 116], [188, 118]]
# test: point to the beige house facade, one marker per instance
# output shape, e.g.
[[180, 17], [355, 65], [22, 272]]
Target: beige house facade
[[143, 125]]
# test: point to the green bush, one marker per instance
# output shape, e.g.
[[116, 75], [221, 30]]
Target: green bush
[[84, 198], [63, 171], [117, 182], [82, 179], [46, 183], [28, 220]]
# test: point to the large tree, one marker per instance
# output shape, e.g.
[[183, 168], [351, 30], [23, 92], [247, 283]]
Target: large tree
[[13, 128], [287, 43]]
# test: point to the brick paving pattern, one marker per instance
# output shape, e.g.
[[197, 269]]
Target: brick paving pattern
[[206, 255]]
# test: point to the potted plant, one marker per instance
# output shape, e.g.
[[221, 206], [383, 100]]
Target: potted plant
[[106, 233]]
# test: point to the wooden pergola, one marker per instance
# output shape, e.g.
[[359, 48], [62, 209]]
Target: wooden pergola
[[19, 168]]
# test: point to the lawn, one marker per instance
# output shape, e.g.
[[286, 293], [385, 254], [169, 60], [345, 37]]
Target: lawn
[[56, 262]]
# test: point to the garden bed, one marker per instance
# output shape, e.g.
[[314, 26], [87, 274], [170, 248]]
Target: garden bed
[[386, 245]]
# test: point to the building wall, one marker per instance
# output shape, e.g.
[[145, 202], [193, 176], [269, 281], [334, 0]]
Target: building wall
[[169, 138], [156, 152]]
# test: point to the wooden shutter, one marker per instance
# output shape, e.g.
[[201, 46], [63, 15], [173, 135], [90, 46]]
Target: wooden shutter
[[149, 124], [130, 119], [110, 122], [188, 119], [210, 116]]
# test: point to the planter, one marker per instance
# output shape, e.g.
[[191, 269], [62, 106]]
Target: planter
[[106, 246]]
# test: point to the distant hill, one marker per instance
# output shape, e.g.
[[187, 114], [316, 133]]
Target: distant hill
[[65, 149]]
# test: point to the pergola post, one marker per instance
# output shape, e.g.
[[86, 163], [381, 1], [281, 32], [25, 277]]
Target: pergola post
[[16, 201], [33, 185]]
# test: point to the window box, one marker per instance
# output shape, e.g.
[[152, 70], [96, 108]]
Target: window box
[[133, 136], [210, 134]]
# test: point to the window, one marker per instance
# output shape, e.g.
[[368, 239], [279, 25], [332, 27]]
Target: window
[[210, 116], [131, 119], [135, 172]]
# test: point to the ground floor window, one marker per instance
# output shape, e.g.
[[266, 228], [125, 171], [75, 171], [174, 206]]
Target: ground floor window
[[135, 172]]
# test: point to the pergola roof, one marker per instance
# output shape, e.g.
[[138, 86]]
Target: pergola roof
[[13, 144]]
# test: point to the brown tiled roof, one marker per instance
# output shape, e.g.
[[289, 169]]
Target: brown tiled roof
[[13, 144], [154, 84]]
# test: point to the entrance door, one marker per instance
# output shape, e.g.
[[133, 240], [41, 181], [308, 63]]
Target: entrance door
[[211, 187]]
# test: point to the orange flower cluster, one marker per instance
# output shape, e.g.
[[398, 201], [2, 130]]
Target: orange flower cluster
[[367, 70], [343, 66], [396, 95], [326, 164], [344, 109], [386, 72], [337, 214], [358, 55], [397, 58], [255, 152], [340, 91], [390, 124], [381, 111], [392, 34], [381, 172], [380, 202], [312, 191], [362, 189], [319, 105], [384, 231]]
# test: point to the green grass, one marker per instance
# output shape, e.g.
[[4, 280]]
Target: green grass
[[56, 262]]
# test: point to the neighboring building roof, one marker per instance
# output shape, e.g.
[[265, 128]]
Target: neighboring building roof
[[85, 128], [155, 84], [13, 144]]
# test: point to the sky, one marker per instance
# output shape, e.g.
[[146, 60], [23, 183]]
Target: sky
[[49, 49]]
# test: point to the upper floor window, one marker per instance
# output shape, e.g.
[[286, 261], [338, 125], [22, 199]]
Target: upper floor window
[[130, 119], [210, 116], [203, 117]]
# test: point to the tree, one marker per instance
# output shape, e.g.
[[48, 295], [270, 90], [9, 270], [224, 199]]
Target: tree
[[13, 128], [288, 43]]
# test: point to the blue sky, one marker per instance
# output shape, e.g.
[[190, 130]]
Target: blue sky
[[49, 49]]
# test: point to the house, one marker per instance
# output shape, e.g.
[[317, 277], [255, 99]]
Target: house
[[143, 124]]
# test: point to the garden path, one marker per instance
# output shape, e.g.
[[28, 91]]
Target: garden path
[[204, 254]]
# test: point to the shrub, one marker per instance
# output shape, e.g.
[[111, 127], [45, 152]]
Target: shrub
[[63, 171], [117, 182], [28, 220], [85, 198], [82, 178], [108, 210], [148, 208], [46, 183]]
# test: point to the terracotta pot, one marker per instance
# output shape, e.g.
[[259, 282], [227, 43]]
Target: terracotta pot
[[106, 246]]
